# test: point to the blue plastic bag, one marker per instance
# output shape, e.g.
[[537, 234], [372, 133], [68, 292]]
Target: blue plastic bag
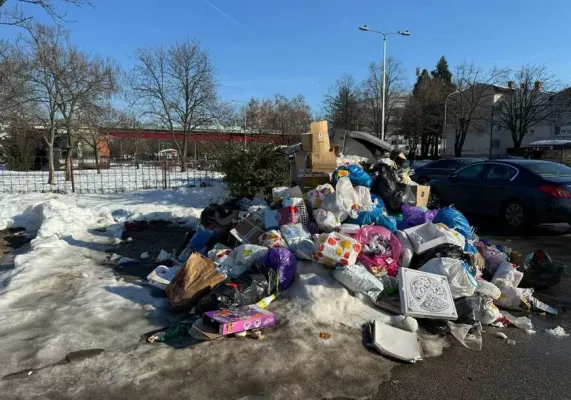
[[377, 216], [454, 219], [197, 243], [356, 175], [470, 248]]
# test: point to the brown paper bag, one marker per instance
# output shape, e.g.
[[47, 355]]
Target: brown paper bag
[[194, 280]]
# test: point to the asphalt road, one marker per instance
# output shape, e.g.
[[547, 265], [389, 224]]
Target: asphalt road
[[537, 367]]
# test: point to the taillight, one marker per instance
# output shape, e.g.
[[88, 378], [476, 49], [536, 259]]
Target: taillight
[[555, 191]]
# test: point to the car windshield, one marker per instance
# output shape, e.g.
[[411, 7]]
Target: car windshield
[[550, 170]]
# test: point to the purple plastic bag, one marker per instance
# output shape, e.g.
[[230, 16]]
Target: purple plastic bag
[[414, 216], [283, 261]]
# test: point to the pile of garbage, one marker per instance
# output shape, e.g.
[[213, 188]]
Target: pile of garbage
[[371, 232]]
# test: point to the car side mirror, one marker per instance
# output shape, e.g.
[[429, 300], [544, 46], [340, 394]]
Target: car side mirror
[[453, 177]]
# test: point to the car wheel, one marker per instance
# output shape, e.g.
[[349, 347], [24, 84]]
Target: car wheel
[[515, 215]]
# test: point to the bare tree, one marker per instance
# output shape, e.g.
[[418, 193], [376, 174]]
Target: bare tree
[[15, 15], [529, 101], [472, 104], [394, 96], [41, 52], [96, 122], [175, 86], [85, 81]]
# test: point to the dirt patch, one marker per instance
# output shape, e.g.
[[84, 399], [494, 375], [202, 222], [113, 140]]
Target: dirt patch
[[12, 239], [148, 238]]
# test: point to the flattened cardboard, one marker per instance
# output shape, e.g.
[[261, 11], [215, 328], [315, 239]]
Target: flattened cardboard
[[319, 137], [425, 295], [239, 320], [248, 229]]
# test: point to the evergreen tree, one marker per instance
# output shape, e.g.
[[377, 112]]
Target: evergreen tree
[[343, 104], [442, 72]]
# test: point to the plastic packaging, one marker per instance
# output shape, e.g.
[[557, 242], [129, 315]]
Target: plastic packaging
[[519, 322], [407, 250], [507, 273], [376, 216], [316, 196], [452, 236], [462, 282], [283, 261], [326, 220], [454, 219], [344, 202], [387, 185], [358, 279], [197, 243], [349, 229], [294, 232], [488, 289], [413, 216], [380, 250], [469, 335], [335, 249], [271, 239], [303, 249], [494, 258], [355, 173], [246, 254], [442, 250]]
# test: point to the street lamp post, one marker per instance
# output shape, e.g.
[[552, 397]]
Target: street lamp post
[[402, 33]]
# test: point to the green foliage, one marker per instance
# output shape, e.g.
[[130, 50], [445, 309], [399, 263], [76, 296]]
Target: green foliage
[[257, 169], [18, 150], [442, 71], [343, 104]]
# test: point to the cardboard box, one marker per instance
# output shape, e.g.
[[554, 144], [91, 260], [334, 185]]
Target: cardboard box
[[323, 162], [319, 137], [302, 159], [249, 229], [239, 320], [306, 142], [422, 194]]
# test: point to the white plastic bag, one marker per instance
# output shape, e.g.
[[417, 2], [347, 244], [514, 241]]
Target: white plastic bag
[[344, 202], [508, 272], [452, 236], [469, 335], [246, 254], [358, 279], [303, 248], [494, 258], [316, 196], [364, 198], [407, 250], [326, 220], [462, 282], [488, 289]]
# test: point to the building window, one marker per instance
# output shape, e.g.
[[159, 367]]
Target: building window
[[495, 143], [565, 130], [530, 132]]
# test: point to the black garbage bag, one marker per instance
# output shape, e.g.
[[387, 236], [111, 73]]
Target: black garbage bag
[[540, 271], [249, 288], [442, 250], [387, 185]]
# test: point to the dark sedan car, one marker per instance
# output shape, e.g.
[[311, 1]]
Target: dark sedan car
[[521, 192], [441, 168]]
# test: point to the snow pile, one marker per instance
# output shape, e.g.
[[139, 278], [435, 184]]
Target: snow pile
[[59, 297]]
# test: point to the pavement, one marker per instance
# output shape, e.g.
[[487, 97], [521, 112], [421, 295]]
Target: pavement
[[537, 367]]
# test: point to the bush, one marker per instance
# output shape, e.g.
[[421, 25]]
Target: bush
[[257, 169], [18, 150]]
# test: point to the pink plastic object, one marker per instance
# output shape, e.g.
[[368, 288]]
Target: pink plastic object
[[380, 250]]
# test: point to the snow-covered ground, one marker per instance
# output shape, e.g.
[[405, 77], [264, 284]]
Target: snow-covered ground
[[59, 298], [117, 179]]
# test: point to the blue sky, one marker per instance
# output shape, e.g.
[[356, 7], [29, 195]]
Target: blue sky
[[263, 47]]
